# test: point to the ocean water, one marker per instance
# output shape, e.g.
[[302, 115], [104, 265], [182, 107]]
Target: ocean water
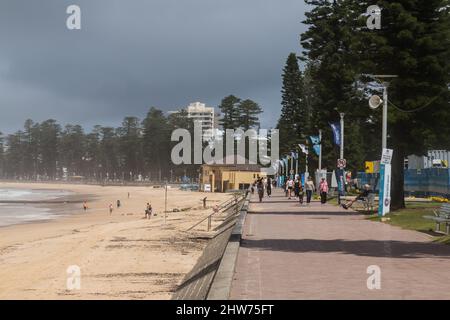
[[16, 213]]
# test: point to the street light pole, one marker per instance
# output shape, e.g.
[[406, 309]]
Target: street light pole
[[385, 113], [385, 168], [342, 135], [385, 103]]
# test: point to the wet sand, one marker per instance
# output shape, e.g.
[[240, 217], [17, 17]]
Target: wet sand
[[120, 256]]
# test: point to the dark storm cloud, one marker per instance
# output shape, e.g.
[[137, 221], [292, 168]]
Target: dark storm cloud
[[130, 55]]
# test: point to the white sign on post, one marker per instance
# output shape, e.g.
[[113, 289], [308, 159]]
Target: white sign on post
[[207, 188], [385, 190], [384, 204], [386, 157]]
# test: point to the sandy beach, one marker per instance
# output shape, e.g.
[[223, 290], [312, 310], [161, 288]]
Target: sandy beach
[[120, 256]]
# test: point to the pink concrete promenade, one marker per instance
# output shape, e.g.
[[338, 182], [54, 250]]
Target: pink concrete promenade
[[319, 251]]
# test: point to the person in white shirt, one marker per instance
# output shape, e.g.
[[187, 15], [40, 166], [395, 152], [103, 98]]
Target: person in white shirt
[[290, 186], [309, 186]]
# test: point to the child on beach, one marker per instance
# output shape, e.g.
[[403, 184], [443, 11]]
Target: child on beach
[[110, 208], [85, 206], [148, 211]]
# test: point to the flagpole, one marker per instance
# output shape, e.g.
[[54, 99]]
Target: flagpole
[[306, 162], [292, 164], [320, 151]]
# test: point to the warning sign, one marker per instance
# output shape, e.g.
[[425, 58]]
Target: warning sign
[[341, 163]]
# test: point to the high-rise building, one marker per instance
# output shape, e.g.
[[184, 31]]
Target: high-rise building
[[198, 111]]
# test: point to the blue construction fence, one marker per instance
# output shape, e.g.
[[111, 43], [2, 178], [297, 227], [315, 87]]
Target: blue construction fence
[[418, 182]]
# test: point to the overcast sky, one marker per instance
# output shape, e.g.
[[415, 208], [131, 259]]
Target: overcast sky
[[131, 55]]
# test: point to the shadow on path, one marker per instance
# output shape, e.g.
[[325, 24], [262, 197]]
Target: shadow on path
[[308, 213], [370, 248]]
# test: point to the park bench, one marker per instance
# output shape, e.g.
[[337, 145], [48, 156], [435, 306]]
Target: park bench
[[442, 215]]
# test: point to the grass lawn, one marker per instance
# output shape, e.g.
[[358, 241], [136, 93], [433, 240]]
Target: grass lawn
[[412, 218]]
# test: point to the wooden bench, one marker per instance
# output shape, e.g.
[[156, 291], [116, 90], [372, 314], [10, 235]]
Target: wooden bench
[[442, 215]]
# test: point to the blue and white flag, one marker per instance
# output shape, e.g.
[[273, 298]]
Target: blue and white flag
[[304, 148], [336, 132], [285, 160], [316, 144]]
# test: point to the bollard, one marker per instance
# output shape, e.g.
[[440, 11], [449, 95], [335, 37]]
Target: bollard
[[209, 223]]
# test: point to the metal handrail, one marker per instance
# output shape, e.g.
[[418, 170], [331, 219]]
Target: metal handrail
[[234, 201]]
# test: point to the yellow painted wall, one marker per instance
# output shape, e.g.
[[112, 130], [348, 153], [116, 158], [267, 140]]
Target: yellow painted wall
[[223, 174]]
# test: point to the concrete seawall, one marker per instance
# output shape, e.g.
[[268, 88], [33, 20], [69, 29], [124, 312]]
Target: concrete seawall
[[211, 277]]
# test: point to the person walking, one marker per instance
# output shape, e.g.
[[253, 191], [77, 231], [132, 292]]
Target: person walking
[[310, 188], [148, 211], [85, 206], [290, 186], [260, 187], [323, 188], [348, 179], [301, 193], [297, 185], [118, 204], [110, 208], [269, 187]]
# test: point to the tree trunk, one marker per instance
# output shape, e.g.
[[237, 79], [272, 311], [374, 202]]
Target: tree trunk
[[397, 180]]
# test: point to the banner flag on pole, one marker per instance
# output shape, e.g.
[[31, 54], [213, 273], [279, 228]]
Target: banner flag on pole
[[304, 149], [316, 148], [336, 132], [316, 144]]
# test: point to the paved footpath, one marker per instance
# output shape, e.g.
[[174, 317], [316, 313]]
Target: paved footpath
[[319, 251]]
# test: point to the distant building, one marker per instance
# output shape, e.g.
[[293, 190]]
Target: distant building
[[225, 177], [434, 159], [204, 115]]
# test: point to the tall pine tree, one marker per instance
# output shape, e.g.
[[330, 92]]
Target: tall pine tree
[[293, 123], [229, 107], [413, 43], [249, 112]]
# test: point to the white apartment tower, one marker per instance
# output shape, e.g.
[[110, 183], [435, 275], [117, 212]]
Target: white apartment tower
[[204, 115]]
